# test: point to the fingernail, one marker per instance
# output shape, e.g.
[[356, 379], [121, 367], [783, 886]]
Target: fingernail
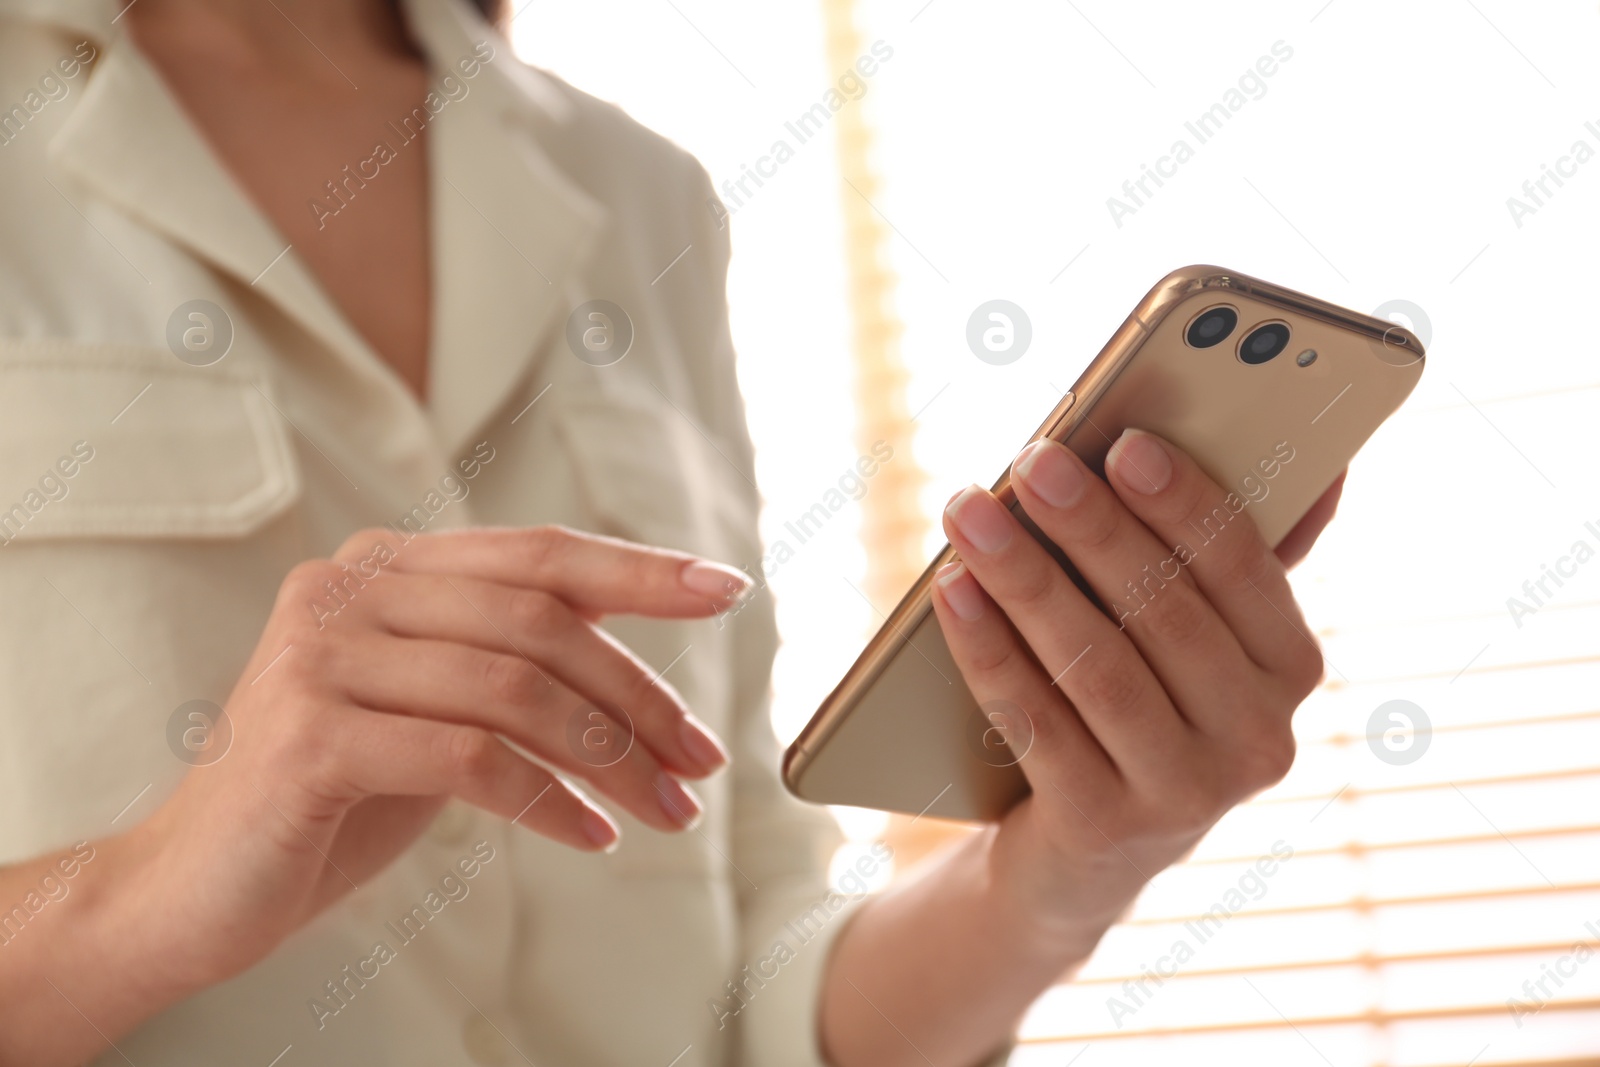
[[1056, 477], [981, 519], [961, 590], [680, 805], [601, 830], [702, 745], [713, 580], [1140, 462]]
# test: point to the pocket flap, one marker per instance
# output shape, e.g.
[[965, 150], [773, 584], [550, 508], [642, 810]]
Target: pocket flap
[[651, 475], [122, 440]]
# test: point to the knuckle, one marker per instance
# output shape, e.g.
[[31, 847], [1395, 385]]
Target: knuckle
[[1032, 588], [1187, 499], [552, 532], [1177, 618], [550, 538], [1209, 519], [1306, 668], [1113, 687], [1271, 757], [534, 611], [988, 658], [305, 581], [1246, 561], [547, 548], [506, 679], [358, 544], [653, 697], [1250, 763], [469, 751], [1096, 529], [1044, 720], [306, 665]]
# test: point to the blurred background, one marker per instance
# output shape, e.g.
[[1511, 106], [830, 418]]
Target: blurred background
[[1441, 900]]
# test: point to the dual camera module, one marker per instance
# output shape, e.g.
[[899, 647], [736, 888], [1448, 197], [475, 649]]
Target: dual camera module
[[1216, 324]]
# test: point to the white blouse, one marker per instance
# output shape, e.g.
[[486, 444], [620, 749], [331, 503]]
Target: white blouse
[[153, 496]]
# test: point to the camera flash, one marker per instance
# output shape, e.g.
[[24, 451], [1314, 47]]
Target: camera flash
[[1306, 358]]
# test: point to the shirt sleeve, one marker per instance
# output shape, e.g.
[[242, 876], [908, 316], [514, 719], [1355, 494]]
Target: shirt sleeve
[[789, 916], [780, 846]]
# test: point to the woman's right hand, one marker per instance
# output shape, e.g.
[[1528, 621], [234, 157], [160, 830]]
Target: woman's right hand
[[352, 727]]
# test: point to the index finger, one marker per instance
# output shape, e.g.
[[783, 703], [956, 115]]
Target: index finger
[[593, 574]]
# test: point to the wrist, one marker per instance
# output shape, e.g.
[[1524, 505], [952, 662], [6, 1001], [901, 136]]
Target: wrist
[[134, 921], [98, 946], [1065, 901]]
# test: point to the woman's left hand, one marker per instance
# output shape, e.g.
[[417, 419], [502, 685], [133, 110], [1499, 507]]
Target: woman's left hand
[[1143, 734]]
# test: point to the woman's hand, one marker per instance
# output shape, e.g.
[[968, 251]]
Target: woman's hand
[[1145, 728], [382, 685], [1137, 732]]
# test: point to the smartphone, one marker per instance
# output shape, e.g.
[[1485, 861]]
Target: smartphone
[[1271, 391]]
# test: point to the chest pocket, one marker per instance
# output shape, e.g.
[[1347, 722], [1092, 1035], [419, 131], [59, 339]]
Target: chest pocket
[[650, 474], [644, 472], [133, 489], [125, 441]]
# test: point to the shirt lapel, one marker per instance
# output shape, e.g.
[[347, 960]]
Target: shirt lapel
[[129, 143], [510, 230]]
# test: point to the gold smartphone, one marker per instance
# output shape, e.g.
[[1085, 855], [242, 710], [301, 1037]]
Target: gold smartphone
[[1271, 391]]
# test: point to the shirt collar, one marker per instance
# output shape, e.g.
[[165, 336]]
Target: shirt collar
[[510, 230], [93, 19]]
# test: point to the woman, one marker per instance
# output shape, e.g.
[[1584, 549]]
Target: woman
[[306, 397]]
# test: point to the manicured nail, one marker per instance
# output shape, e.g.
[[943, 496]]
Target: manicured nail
[[981, 519], [681, 806], [713, 580], [597, 827], [702, 745], [961, 590], [1140, 462], [1045, 467]]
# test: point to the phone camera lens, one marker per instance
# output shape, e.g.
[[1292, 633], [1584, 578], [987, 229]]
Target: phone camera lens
[[1264, 342], [1211, 327]]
